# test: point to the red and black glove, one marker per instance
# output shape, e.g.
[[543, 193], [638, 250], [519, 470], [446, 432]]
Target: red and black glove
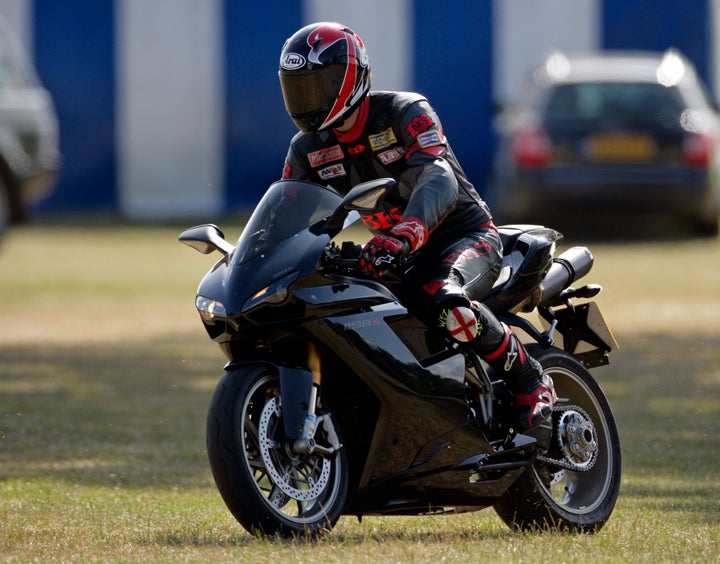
[[382, 254]]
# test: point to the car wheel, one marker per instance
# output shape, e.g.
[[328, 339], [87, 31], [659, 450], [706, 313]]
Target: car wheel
[[16, 208], [706, 226], [4, 209]]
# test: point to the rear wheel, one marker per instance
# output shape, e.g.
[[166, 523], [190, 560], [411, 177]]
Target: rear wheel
[[267, 487], [575, 485]]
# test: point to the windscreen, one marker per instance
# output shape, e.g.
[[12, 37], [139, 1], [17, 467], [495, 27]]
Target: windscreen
[[617, 104], [288, 208]]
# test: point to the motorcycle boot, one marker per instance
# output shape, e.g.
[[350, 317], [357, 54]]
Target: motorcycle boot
[[523, 374], [498, 345]]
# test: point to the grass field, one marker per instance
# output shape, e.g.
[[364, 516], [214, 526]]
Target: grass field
[[106, 373]]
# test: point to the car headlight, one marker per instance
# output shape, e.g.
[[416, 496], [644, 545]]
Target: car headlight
[[210, 310], [275, 293]]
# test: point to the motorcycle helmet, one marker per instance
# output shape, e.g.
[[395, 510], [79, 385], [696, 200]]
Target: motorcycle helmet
[[324, 75]]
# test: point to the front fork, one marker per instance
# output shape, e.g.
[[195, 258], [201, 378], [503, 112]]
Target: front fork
[[306, 443]]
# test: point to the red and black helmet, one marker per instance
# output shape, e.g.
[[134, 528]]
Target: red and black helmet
[[324, 75]]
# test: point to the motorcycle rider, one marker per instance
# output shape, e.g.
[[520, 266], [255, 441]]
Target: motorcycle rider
[[349, 135]]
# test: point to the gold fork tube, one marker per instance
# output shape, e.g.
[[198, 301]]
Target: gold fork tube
[[314, 363]]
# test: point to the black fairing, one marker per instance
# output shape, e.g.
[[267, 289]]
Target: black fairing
[[398, 390], [283, 236]]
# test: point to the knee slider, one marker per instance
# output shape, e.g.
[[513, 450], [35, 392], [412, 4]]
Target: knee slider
[[462, 324]]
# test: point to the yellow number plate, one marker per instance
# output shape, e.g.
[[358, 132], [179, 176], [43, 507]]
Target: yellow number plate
[[622, 148]]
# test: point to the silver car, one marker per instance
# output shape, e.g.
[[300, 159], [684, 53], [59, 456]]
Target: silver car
[[29, 151]]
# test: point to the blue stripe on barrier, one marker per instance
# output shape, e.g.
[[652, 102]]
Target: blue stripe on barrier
[[683, 24], [258, 128], [74, 53], [453, 68]]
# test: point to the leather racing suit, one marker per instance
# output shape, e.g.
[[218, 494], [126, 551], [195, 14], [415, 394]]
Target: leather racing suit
[[456, 249]]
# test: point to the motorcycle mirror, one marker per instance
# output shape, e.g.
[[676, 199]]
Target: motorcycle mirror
[[365, 196], [362, 198], [206, 239]]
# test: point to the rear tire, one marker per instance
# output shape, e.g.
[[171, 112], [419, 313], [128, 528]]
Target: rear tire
[[267, 488], [548, 496]]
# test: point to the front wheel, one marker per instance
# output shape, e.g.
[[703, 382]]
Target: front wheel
[[576, 484], [267, 487]]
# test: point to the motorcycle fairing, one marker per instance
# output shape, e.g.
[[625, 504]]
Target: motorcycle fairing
[[425, 433]]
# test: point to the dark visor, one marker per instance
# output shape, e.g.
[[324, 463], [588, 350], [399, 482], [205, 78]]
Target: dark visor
[[306, 91]]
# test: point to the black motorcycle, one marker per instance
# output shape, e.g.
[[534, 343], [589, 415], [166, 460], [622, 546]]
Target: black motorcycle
[[337, 399]]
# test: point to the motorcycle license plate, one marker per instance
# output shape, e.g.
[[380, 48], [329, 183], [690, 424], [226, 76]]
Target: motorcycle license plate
[[588, 314], [596, 322], [619, 147]]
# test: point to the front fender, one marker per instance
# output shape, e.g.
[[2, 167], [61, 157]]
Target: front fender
[[295, 392]]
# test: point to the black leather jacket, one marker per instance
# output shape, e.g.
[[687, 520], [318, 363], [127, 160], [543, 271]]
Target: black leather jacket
[[397, 135]]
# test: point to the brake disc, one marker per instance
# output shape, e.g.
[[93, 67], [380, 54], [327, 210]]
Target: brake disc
[[302, 478]]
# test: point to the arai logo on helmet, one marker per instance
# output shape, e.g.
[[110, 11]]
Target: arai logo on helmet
[[292, 61]]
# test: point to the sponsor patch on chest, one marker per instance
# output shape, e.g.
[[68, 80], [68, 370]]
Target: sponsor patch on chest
[[319, 158], [391, 155], [383, 139], [332, 171]]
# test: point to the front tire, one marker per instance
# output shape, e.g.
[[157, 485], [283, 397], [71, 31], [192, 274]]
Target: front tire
[[268, 488], [581, 497]]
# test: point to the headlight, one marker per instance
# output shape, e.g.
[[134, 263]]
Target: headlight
[[210, 310], [275, 293]]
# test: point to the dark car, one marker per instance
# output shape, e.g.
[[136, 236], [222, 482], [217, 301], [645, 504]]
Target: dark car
[[610, 135], [29, 153]]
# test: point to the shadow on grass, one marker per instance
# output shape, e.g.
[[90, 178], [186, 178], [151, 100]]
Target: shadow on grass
[[372, 531], [665, 393], [132, 415], [697, 500], [113, 414]]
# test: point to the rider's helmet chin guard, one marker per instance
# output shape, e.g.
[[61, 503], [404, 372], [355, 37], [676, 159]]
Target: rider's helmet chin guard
[[324, 75]]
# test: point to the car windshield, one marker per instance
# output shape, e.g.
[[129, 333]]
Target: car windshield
[[616, 104], [288, 208]]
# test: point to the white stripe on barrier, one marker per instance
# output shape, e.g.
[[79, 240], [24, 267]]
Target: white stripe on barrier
[[386, 28], [18, 14], [528, 30], [169, 107]]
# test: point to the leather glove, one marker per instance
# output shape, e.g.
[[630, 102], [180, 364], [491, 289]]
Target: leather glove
[[382, 254]]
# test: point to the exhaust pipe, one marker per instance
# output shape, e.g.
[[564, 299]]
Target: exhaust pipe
[[571, 265]]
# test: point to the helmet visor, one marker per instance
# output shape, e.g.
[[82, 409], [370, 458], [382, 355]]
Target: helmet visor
[[311, 94]]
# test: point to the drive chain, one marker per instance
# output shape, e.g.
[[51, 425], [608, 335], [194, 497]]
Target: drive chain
[[564, 463]]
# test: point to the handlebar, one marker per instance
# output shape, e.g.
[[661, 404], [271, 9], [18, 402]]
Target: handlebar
[[346, 260], [342, 260]]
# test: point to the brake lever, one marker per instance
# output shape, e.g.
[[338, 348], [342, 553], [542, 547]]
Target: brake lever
[[396, 269]]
